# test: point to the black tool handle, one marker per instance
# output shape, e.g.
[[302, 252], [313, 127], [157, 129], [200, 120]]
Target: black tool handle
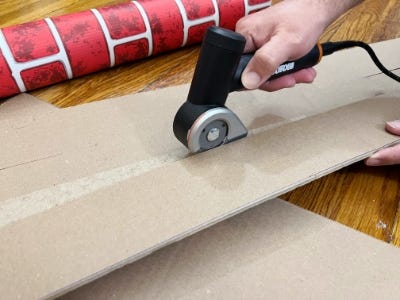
[[221, 63], [309, 60], [219, 57]]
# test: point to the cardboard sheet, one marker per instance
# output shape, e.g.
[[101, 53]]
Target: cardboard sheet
[[273, 251], [88, 189]]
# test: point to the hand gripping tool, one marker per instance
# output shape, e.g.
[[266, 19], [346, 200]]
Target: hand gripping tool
[[204, 122]]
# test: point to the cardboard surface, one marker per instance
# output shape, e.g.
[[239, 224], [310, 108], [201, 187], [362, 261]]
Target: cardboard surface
[[275, 250], [94, 187]]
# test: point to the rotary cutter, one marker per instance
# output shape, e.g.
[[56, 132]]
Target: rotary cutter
[[204, 122]]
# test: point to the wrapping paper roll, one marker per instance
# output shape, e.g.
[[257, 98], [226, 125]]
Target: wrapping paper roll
[[48, 51]]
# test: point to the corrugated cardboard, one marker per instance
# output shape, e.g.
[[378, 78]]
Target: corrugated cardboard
[[91, 188], [273, 251]]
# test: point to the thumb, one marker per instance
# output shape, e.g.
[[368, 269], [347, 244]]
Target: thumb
[[384, 157], [388, 156], [265, 61], [393, 127]]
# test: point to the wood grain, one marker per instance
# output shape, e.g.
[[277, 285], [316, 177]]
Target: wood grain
[[364, 198]]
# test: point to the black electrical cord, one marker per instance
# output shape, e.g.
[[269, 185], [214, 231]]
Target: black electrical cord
[[331, 47]]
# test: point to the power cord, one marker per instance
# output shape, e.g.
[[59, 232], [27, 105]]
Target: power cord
[[331, 47]]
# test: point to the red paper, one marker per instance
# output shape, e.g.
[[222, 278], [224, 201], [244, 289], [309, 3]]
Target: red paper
[[44, 52]]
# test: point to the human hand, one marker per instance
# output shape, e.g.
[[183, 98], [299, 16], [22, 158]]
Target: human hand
[[285, 31], [387, 156]]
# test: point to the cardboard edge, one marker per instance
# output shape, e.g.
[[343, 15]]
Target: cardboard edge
[[210, 223]]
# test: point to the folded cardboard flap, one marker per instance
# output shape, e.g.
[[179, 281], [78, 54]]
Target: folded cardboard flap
[[105, 184], [275, 250]]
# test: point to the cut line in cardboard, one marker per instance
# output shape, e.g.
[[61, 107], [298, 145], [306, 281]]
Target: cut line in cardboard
[[92, 188]]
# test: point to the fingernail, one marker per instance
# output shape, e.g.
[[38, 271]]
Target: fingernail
[[251, 80], [394, 124], [374, 160]]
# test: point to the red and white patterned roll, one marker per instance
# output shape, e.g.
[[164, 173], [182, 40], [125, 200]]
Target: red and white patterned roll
[[48, 51]]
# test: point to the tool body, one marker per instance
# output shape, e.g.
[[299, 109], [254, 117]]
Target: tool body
[[204, 122]]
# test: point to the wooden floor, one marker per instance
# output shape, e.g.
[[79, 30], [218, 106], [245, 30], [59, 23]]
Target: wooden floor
[[361, 197]]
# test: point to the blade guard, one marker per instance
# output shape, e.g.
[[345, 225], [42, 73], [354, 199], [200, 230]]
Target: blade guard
[[209, 128], [203, 122]]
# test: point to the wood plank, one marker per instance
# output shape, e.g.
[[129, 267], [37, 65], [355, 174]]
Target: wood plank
[[363, 22], [396, 227], [362, 198]]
